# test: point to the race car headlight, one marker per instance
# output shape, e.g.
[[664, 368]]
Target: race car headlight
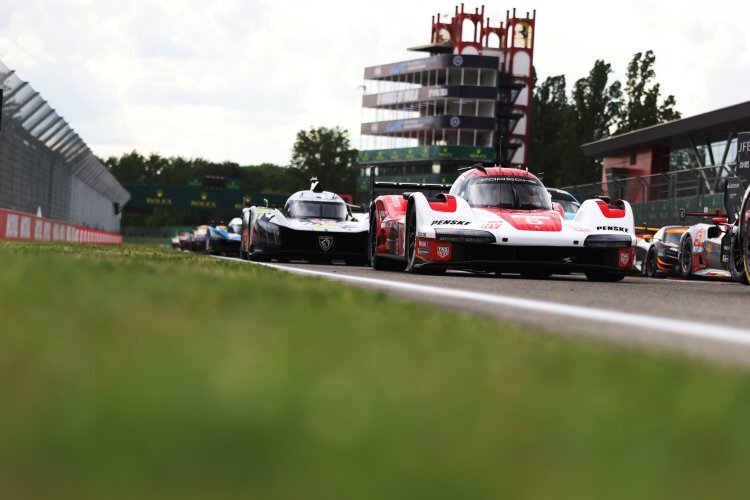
[[464, 236], [608, 241]]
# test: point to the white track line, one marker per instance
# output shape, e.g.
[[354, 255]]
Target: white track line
[[679, 328]]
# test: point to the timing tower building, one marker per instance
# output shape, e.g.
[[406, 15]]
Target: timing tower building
[[467, 102]]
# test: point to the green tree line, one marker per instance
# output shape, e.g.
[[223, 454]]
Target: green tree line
[[595, 108], [321, 152]]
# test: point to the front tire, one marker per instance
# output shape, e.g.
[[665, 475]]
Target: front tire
[[744, 239], [650, 267], [736, 261], [686, 257]]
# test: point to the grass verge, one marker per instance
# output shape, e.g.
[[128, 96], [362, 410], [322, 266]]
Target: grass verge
[[138, 372]]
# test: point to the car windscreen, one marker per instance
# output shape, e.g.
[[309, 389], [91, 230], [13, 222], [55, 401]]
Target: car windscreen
[[569, 206], [506, 192], [315, 210], [673, 237]]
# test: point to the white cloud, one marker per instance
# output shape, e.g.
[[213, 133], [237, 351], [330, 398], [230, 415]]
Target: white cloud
[[235, 80]]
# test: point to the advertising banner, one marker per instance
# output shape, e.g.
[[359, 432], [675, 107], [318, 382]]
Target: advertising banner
[[426, 153], [431, 63], [196, 198], [428, 94], [15, 225]]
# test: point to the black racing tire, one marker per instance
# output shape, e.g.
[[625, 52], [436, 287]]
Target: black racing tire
[[650, 267], [686, 257], [744, 239], [604, 276], [259, 258], [736, 260], [377, 262], [410, 246], [256, 257]]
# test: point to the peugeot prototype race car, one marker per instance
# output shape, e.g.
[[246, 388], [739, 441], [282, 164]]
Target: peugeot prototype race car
[[314, 225], [502, 220]]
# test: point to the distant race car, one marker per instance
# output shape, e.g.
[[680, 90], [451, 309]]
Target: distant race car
[[314, 225], [198, 240], [222, 239], [182, 241], [658, 255], [569, 202], [501, 220]]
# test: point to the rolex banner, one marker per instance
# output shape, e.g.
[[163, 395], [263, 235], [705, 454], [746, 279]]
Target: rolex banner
[[743, 157]]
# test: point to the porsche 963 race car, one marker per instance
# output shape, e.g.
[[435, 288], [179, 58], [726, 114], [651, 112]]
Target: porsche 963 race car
[[314, 225], [501, 220]]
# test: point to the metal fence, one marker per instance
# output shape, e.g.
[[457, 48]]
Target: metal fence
[[657, 199], [44, 164]]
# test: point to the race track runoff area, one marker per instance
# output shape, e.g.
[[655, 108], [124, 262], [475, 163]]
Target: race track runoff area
[[140, 372]]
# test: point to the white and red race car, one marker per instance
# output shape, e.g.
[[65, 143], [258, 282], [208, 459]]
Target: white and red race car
[[499, 220]]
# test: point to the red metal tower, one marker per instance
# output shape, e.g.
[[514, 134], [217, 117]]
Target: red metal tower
[[513, 44]]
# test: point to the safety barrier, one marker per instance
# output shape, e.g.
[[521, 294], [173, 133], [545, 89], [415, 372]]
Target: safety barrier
[[15, 225]]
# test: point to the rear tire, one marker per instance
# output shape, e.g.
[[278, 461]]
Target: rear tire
[[411, 238], [411, 245], [686, 257], [604, 276], [377, 262]]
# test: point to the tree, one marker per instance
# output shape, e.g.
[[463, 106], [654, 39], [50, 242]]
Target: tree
[[597, 104], [596, 107], [551, 139], [325, 153], [641, 107]]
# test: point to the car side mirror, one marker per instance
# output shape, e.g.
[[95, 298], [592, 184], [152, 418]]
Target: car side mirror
[[648, 237], [558, 208]]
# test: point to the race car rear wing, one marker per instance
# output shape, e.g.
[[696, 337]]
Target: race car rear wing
[[684, 214]]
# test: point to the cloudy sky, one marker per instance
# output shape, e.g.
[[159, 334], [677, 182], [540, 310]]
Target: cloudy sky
[[235, 80]]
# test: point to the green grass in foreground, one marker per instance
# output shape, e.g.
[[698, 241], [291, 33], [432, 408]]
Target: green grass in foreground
[[145, 373]]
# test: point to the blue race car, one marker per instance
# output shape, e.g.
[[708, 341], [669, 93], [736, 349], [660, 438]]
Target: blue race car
[[224, 239], [569, 203]]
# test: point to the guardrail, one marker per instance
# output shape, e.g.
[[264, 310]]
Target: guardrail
[[15, 225], [657, 199]]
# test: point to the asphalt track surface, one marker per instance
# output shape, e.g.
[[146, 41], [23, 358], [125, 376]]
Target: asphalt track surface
[[707, 318]]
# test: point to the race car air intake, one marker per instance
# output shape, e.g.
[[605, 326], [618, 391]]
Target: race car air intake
[[608, 241], [464, 236]]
